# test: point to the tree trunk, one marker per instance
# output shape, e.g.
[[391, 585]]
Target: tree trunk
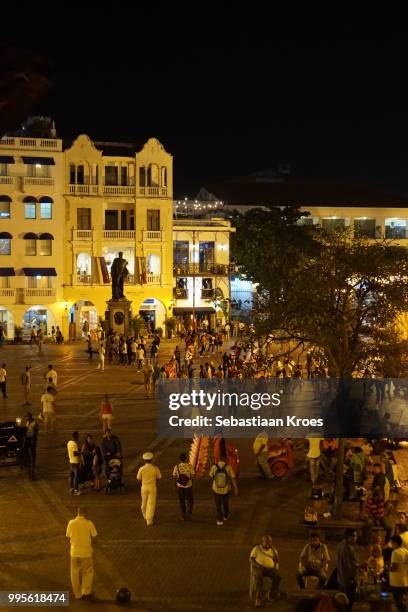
[[338, 491]]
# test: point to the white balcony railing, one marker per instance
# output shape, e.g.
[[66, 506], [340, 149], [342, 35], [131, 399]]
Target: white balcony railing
[[39, 181], [83, 279], [153, 279], [152, 235], [80, 234], [6, 180], [50, 144], [83, 189], [119, 190], [119, 234], [7, 292], [40, 292], [153, 191]]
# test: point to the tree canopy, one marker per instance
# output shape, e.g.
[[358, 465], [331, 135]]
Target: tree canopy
[[339, 292]]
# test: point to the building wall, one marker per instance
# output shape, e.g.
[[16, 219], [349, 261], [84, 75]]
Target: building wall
[[77, 181], [20, 296]]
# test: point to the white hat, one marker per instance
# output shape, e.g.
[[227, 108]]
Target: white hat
[[147, 456]]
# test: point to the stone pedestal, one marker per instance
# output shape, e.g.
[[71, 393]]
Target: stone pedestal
[[119, 314]]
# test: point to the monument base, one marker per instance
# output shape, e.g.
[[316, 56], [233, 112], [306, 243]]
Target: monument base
[[119, 315]]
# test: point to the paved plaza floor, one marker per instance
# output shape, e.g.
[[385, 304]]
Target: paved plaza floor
[[174, 565]]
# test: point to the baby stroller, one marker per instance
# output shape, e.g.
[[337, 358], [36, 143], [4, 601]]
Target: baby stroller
[[114, 476]]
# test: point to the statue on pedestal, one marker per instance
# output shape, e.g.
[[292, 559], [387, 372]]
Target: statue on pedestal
[[119, 272]]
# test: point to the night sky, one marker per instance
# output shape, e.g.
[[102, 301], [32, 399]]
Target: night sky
[[230, 90]]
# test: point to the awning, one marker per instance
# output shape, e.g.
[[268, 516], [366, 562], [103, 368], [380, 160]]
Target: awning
[[6, 159], [7, 272], [42, 161], [46, 236], [199, 309], [5, 236], [40, 271], [30, 236]]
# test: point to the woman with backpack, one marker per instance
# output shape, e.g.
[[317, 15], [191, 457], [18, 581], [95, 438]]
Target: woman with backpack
[[183, 474], [223, 477]]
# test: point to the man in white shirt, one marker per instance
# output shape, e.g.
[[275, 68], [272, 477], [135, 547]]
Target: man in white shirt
[[3, 380], [81, 532], [148, 475], [74, 461], [264, 560], [313, 457], [101, 355], [399, 573], [51, 373], [48, 410], [260, 448]]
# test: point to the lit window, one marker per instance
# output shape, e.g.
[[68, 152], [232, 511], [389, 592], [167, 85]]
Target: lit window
[[4, 208], [45, 210], [29, 210], [5, 246], [31, 246], [46, 247]]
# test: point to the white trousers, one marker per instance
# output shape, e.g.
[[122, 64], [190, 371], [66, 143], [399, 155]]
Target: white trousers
[[149, 496]]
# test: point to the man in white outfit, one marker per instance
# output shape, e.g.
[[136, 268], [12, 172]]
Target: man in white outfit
[[101, 354], [148, 475], [81, 532]]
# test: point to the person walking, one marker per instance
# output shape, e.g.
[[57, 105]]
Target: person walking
[[183, 474], [81, 532], [48, 410], [223, 478], [347, 564], [399, 573], [26, 384], [31, 439], [51, 373], [261, 452], [140, 357], [106, 414], [148, 474], [148, 377], [313, 458], [40, 339], [89, 346], [74, 457], [3, 381], [101, 355]]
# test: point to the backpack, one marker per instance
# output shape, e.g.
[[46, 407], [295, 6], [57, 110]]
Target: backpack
[[221, 478], [24, 379], [182, 479]]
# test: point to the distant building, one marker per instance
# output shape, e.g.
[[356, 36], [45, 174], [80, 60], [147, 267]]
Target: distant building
[[65, 214]]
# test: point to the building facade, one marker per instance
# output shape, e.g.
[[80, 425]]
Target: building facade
[[65, 214], [31, 233]]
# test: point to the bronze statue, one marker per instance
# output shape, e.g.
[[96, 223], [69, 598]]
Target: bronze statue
[[119, 272]]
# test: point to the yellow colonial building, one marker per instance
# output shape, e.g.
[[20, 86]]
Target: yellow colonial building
[[67, 211]]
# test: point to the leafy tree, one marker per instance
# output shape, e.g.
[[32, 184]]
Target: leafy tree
[[340, 293]]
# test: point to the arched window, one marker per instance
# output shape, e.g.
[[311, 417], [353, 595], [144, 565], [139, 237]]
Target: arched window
[[164, 176], [46, 207], [149, 176], [5, 243], [142, 176], [46, 244], [30, 243], [5, 202], [30, 207]]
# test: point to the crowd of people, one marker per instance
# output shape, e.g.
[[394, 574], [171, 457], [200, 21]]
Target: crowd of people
[[200, 354]]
